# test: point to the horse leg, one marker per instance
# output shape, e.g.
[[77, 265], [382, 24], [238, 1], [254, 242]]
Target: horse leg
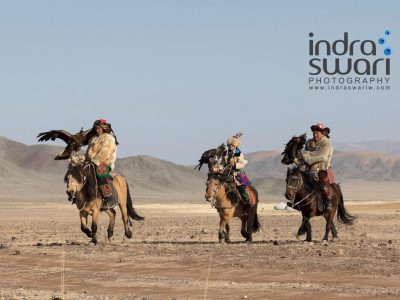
[[84, 219], [329, 221], [308, 230], [125, 219], [221, 232], [302, 228], [110, 229], [95, 221], [243, 231], [227, 228], [334, 231]]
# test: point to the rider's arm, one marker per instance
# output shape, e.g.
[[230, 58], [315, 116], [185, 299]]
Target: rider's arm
[[240, 162], [321, 154], [107, 147]]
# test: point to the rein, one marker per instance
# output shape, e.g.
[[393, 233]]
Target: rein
[[300, 184]]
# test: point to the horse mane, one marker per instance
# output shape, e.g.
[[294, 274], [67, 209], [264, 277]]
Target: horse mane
[[229, 185], [308, 179], [83, 172]]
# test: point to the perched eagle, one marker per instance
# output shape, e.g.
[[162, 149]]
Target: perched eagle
[[74, 141], [210, 156]]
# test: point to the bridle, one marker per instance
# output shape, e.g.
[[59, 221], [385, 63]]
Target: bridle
[[215, 191], [295, 188], [82, 185]]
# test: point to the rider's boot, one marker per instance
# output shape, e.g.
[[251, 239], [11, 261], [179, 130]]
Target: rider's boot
[[327, 194], [108, 195]]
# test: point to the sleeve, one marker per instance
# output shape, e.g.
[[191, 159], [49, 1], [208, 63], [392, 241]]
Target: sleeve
[[240, 163], [107, 147], [321, 154]]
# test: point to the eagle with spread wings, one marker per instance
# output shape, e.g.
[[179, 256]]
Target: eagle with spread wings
[[74, 141], [211, 156]]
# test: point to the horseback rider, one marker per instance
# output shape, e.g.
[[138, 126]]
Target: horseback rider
[[234, 159], [102, 151], [317, 156]]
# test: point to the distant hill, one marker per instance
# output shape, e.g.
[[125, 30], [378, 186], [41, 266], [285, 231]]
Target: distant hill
[[32, 170], [384, 146]]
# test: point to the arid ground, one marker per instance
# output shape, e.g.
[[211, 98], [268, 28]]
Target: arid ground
[[174, 254]]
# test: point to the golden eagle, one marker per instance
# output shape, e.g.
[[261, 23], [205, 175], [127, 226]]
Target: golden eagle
[[210, 156], [74, 141]]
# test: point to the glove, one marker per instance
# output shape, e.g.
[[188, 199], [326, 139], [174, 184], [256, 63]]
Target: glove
[[102, 168]]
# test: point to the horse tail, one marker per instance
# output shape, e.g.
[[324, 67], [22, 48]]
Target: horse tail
[[343, 215], [256, 223], [131, 211]]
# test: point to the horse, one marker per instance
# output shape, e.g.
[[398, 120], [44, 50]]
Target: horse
[[302, 192], [221, 192], [82, 188]]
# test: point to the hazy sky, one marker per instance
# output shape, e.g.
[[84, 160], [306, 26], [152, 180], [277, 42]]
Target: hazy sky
[[178, 77]]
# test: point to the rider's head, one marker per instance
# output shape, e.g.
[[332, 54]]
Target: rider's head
[[234, 141], [102, 126], [319, 130]]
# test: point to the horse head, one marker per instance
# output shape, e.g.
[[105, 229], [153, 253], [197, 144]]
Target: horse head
[[292, 149], [81, 177], [294, 183]]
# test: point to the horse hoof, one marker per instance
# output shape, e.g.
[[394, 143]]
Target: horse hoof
[[335, 239], [325, 243], [249, 239], [110, 235], [128, 234], [245, 234], [228, 241], [93, 242]]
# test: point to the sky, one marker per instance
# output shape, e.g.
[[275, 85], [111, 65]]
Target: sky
[[175, 78]]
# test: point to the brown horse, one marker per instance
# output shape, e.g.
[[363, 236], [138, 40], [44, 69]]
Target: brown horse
[[302, 191], [82, 187], [222, 194]]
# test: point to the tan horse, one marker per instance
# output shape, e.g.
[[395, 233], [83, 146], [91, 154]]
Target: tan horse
[[226, 200], [82, 187]]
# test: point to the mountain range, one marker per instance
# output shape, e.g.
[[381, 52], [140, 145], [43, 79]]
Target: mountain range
[[32, 171]]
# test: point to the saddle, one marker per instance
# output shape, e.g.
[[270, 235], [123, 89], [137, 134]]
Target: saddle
[[316, 187]]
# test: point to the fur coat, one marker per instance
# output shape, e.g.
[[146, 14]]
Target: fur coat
[[102, 149], [318, 155]]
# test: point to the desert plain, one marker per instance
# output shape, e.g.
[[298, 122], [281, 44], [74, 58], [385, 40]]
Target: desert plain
[[175, 254]]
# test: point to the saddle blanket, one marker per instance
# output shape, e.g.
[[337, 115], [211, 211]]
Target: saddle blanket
[[252, 196]]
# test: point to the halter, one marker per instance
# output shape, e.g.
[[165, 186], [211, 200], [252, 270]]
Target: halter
[[84, 167], [215, 191], [296, 188]]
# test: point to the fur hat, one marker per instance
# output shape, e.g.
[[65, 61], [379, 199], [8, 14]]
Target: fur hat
[[234, 140], [321, 128], [106, 127]]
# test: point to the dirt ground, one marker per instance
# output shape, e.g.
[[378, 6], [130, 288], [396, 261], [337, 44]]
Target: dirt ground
[[175, 254]]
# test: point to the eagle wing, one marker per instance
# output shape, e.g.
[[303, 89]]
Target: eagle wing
[[55, 134], [87, 135]]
